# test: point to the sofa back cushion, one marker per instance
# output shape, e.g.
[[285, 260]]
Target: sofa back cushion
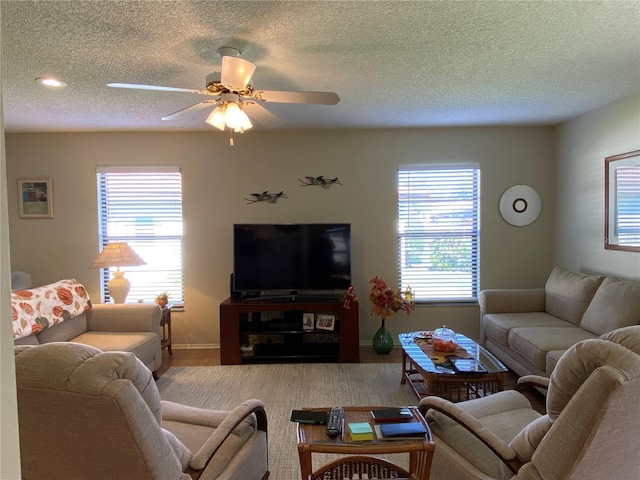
[[567, 293], [65, 331], [616, 304], [28, 340]]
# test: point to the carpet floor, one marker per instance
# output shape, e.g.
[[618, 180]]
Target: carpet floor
[[285, 387]]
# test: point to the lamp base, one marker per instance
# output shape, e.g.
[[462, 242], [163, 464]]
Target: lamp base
[[118, 287]]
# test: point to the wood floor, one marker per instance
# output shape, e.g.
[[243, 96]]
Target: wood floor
[[211, 357]]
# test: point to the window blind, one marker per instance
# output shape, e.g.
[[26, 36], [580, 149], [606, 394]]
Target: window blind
[[627, 219], [438, 232], [143, 207]]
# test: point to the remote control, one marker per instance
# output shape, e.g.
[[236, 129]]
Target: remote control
[[334, 421]]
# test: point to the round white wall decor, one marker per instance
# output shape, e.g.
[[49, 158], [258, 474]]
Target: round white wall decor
[[520, 205]]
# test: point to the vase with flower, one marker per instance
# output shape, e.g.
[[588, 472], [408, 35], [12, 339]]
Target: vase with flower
[[386, 302], [162, 299]]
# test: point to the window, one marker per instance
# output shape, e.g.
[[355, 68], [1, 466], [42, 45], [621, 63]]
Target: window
[[438, 232], [622, 202], [142, 206]]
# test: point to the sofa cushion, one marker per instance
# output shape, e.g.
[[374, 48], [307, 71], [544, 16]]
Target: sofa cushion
[[143, 344], [498, 325], [616, 304], [64, 331], [534, 343], [568, 294]]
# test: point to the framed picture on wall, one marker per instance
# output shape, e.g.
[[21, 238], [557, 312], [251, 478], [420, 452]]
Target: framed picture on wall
[[308, 321], [35, 198], [325, 321]]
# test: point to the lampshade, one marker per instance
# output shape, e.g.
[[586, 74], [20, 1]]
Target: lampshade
[[216, 118], [229, 114], [245, 123], [236, 72], [118, 254]]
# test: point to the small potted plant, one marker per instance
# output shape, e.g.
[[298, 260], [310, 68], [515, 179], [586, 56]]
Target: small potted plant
[[162, 299]]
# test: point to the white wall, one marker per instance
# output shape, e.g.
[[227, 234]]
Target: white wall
[[583, 144], [9, 446], [216, 177]]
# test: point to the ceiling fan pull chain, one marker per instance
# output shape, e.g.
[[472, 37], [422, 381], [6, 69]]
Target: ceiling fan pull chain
[[231, 137]]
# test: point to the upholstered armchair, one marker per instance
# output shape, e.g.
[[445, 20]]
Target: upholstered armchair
[[590, 430], [86, 414]]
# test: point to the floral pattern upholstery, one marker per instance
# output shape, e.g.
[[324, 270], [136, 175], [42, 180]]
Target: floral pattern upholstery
[[35, 309]]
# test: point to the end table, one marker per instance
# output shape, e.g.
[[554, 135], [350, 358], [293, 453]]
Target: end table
[[165, 323]]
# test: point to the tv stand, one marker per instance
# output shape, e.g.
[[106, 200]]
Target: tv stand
[[270, 330], [293, 297]]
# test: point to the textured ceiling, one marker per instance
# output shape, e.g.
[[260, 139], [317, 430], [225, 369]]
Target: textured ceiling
[[393, 63]]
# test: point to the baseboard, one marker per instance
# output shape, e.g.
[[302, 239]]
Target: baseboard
[[199, 346]]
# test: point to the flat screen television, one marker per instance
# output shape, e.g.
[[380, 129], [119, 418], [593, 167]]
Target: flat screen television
[[298, 258]]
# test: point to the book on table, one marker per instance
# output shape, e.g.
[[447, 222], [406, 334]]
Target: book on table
[[399, 431], [360, 431], [391, 415]]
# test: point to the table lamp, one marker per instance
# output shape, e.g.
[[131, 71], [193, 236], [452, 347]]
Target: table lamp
[[118, 254]]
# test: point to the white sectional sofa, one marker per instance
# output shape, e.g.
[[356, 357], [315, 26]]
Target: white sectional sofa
[[529, 329]]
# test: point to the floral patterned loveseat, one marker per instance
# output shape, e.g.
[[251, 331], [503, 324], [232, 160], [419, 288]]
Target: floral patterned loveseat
[[63, 312]]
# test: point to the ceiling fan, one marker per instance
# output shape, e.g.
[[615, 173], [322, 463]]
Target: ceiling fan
[[235, 99]]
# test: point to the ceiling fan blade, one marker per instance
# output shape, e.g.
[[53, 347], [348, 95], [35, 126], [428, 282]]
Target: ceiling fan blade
[[262, 115], [317, 98], [153, 87], [192, 108], [236, 72]]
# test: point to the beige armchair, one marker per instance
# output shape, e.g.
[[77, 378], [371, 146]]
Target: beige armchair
[[86, 414], [590, 430]]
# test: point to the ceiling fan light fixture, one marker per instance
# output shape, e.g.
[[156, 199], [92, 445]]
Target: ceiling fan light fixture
[[246, 125], [236, 72], [228, 52], [217, 118], [235, 117], [232, 96]]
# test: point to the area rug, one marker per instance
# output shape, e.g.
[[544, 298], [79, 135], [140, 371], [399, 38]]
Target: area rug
[[285, 387]]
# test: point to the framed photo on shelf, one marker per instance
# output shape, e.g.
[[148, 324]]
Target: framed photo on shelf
[[35, 198], [325, 321], [308, 320]]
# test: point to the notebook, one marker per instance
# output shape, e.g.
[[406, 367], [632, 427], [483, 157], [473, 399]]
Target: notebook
[[403, 430]]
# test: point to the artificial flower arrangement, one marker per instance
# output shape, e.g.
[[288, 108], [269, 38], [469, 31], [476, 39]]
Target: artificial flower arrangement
[[162, 299], [386, 302]]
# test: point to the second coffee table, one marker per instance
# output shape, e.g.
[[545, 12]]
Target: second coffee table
[[426, 378], [314, 439]]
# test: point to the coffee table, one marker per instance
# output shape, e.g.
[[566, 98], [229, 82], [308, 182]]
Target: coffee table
[[426, 378], [314, 439]]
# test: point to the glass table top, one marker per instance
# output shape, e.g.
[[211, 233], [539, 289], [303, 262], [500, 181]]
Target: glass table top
[[409, 344]]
